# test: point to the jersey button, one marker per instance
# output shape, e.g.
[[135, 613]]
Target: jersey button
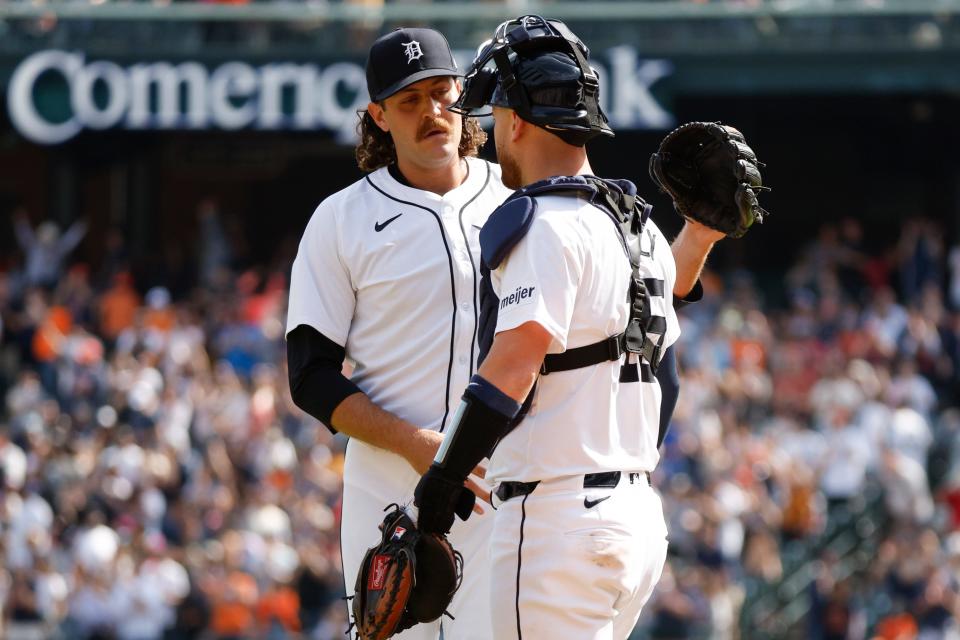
[[465, 306], [462, 359]]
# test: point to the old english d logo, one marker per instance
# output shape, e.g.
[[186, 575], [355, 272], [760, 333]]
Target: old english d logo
[[413, 51]]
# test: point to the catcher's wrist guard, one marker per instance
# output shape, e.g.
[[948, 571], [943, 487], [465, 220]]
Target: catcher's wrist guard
[[484, 416], [481, 420]]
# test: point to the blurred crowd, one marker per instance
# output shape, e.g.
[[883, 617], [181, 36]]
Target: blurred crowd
[[156, 480], [790, 419]]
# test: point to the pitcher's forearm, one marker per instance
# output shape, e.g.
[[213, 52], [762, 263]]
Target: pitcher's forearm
[[359, 417], [690, 250]]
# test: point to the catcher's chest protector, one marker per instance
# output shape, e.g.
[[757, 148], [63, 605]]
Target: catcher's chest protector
[[509, 223]]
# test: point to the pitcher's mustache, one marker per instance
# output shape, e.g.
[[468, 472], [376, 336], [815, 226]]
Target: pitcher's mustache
[[431, 125]]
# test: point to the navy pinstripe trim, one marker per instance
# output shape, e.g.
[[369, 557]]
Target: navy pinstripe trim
[[523, 519], [453, 292], [343, 572], [466, 240]]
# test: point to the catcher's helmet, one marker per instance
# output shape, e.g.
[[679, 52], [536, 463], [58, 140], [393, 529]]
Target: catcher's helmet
[[538, 68]]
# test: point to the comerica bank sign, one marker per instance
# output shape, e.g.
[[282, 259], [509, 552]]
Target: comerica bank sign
[[53, 95]]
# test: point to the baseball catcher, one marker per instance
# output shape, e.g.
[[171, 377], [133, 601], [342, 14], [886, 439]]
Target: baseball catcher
[[408, 578], [712, 176]]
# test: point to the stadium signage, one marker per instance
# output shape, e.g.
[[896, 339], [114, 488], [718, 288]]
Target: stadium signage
[[101, 94]]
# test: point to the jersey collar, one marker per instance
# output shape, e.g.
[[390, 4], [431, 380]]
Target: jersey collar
[[385, 179]]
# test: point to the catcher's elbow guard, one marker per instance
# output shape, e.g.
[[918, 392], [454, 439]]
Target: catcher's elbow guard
[[484, 416]]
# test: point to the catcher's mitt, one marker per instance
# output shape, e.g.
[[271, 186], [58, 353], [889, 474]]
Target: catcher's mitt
[[712, 176], [409, 578]]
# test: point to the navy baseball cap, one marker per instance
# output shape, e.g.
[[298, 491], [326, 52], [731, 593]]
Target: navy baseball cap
[[404, 56]]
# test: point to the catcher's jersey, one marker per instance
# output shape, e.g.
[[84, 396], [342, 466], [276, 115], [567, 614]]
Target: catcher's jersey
[[390, 273], [570, 274]]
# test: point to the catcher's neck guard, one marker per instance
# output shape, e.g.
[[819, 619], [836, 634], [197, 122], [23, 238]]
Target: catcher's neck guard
[[567, 107]]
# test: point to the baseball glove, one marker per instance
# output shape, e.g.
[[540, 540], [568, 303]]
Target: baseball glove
[[712, 176], [408, 578]]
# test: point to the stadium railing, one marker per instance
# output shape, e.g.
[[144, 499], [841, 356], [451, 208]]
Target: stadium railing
[[851, 537]]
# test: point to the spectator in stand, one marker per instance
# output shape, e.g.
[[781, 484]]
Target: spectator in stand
[[910, 389], [213, 245], [907, 493], [45, 249], [835, 614], [921, 254], [885, 321], [843, 468], [900, 626], [118, 307], [953, 261]]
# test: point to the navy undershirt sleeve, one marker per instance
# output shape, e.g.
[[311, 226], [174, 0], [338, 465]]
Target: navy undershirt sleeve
[[317, 383], [695, 295], [669, 378]]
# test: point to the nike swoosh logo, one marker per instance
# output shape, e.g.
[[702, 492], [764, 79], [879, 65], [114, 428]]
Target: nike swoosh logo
[[380, 226], [589, 504]]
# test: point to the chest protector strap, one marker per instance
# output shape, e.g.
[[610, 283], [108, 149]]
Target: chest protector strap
[[629, 213]]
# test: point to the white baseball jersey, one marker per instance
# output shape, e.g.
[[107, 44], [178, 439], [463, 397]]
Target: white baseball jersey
[[570, 274], [391, 273], [572, 559]]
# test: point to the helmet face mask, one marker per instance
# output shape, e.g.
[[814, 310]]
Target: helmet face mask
[[521, 35], [493, 79], [477, 92]]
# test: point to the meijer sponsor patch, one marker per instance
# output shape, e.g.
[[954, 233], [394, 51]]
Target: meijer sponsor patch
[[519, 297]]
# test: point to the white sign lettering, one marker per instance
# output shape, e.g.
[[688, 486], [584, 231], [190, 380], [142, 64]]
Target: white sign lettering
[[23, 111], [230, 83], [633, 103], [235, 95], [168, 81], [81, 95]]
